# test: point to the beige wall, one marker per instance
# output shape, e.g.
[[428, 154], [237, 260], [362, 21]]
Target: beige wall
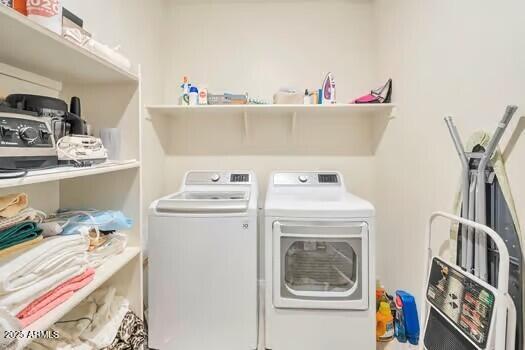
[[259, 47], [460, 58], [446, 57], [137, 26]]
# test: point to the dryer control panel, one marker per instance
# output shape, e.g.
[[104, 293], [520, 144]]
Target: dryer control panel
[[218, 178], [307, 178]]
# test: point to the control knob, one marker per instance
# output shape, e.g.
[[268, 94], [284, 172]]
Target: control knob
[[303, 178], [215, 177], [28, 134]]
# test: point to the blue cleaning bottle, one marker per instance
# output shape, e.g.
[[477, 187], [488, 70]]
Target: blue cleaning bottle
[[399, 322], [408, 328]]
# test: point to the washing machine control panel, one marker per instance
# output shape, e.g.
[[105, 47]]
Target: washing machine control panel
[[217, 178], [305, 179]]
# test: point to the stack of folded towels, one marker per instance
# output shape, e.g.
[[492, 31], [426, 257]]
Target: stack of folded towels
[[18, 224], [45, 260]]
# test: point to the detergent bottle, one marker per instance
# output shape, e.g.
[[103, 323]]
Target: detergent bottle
[[384, 323], [407, 320]]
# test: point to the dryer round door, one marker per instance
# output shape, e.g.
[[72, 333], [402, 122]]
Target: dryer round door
[[320, 264]]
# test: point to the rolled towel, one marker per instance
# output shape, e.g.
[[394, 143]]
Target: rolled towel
[[55, 297], [12, 204], [19, 233]]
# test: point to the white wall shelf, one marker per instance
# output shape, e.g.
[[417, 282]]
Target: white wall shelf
[[387, 109], [29, 46], [102, 274], [56, 174]]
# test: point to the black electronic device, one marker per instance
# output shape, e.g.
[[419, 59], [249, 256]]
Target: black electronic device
[[26, 142], [62, 121]]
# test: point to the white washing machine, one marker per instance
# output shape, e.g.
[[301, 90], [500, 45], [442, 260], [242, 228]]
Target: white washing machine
[[319, 264], [203, 264]]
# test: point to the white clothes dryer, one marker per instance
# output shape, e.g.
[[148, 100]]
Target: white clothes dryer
[[203, 264], [319, 264]]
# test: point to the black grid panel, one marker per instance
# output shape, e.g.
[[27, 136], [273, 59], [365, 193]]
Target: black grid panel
[[441, 335]]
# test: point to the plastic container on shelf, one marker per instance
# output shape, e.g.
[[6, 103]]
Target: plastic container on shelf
[[47, 13], [384, 323]]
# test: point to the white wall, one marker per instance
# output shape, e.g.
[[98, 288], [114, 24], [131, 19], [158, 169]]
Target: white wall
[[459, 58]]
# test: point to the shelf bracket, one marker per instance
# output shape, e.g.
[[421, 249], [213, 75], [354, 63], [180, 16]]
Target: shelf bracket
[[294, 123], [393, 113], [245, 124]]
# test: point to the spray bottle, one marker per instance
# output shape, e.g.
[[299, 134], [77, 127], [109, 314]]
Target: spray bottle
[[184, 98]]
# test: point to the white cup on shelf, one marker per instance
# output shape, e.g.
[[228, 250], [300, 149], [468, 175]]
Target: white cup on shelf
[[111, 140]]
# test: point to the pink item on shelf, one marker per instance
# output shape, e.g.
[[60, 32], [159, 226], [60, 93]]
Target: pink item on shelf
[[380, 95], [367, 99], [55, 297]]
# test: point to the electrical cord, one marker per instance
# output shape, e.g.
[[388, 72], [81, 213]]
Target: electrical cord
[[71, 150], [94, 146], [11, 173]]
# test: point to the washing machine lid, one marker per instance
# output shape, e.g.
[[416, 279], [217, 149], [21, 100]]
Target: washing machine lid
[[205, 202]]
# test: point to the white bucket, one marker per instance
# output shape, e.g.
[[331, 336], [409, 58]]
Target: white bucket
[[47, 13]]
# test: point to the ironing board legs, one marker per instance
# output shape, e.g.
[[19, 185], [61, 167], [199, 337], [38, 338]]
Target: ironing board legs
[[470, 230]]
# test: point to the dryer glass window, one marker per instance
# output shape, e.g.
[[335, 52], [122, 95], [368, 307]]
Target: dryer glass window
[[320, 266]]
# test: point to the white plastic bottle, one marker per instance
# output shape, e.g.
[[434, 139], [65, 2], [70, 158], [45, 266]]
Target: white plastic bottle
[[47, 13], [203, 96], [194, 96], [307, 99]]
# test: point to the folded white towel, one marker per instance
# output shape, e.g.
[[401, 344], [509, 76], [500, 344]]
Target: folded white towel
[[35, 272], [53, 256], [17, 301], [108, 53]]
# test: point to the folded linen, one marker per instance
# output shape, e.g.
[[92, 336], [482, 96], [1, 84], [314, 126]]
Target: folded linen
[[19, 233], [93, 324], [34, 272], [28, 214], [114, 245], [8, 323], [19, 247], [76, 221], [55, 297], [12, 204]]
